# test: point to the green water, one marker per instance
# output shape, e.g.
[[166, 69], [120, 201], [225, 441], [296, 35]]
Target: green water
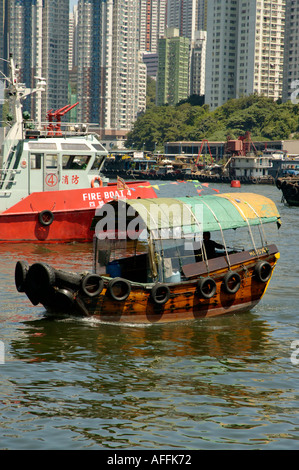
[[222, 383]]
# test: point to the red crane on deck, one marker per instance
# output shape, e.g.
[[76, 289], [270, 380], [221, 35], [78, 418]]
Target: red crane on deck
[[58, 115]]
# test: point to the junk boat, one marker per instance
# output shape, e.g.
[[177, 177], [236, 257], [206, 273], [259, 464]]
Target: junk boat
[[151, 264], [50, 176], [289, 186]]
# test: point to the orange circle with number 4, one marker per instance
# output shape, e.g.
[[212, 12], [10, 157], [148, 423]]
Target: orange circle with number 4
[[51, 179]]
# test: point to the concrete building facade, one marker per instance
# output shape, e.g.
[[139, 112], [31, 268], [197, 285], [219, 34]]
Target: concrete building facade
[[173, 68], [245, 47], [111, 73], [198, 63], [291, 53], [38, 42]]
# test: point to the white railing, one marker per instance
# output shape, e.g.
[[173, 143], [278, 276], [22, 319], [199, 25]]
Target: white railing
[[54, 129]]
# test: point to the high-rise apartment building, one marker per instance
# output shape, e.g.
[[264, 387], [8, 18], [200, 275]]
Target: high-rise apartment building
[[201, 15], [91, 71], [55, 45], [38, 41], [190, 17], [173, 68], [291, 53], [222, 30], [23, 43], [245, 45], [260, 48], [152, 24], [73, 42], [181, 14], [198, 63], [125, 92], [111, 74]]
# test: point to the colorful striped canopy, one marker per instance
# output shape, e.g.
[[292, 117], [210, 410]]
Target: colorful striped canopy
[[204, 213]]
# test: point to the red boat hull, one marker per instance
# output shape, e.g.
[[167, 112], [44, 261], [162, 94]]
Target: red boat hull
[[71, 213]]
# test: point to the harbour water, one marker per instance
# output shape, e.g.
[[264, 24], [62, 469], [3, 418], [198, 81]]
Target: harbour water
[[225, 383]]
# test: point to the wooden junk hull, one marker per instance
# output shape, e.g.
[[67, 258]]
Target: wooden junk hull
[[201, 295]]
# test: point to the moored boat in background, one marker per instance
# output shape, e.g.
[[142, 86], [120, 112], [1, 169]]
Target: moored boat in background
[[289, 186], [151, 264]]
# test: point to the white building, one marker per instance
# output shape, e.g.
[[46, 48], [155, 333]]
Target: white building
[[291, 57], [245, 46], [251, 166], [181, 14], [198, 63], [152, 24], [260, 48], [111, 74], [38, 41], [73, 42], [222, 27], [125, 81]]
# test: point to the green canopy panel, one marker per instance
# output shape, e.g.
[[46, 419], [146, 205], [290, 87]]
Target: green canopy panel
[[198, 213], [206, 213]]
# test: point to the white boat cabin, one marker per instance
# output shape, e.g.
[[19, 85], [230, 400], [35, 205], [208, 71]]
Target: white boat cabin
[[251, 165]]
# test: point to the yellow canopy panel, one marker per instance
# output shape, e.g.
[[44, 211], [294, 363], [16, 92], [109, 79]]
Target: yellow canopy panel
[[252, 205]]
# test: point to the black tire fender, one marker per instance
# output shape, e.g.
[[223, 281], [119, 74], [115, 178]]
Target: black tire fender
[[92, 285], [232, 282], [45, 217], [160, 294], [40, 278], [206, 287], [119, 289], [21, 271], [64, 299], [263, 271], [39, 282]]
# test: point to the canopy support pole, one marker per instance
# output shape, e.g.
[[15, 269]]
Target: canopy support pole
[[249, 229], [224, 244], [200, 229]]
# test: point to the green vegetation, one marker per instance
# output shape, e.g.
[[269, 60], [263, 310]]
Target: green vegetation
[[261, 116]]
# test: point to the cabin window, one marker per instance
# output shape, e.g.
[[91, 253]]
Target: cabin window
[[98, 162], [42, 146], [75, 162], [123, 258], [51, 160], [36, 161], [172, 255], [99, 147], [69, 146]]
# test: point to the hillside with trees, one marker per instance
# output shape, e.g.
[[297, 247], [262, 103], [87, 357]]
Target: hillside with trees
[[189, 121]]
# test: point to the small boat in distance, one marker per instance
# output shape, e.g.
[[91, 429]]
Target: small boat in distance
[[50, 176], [151, 263], [289, 186]]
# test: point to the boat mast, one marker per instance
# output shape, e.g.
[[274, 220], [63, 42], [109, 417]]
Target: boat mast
[[17, 93]]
